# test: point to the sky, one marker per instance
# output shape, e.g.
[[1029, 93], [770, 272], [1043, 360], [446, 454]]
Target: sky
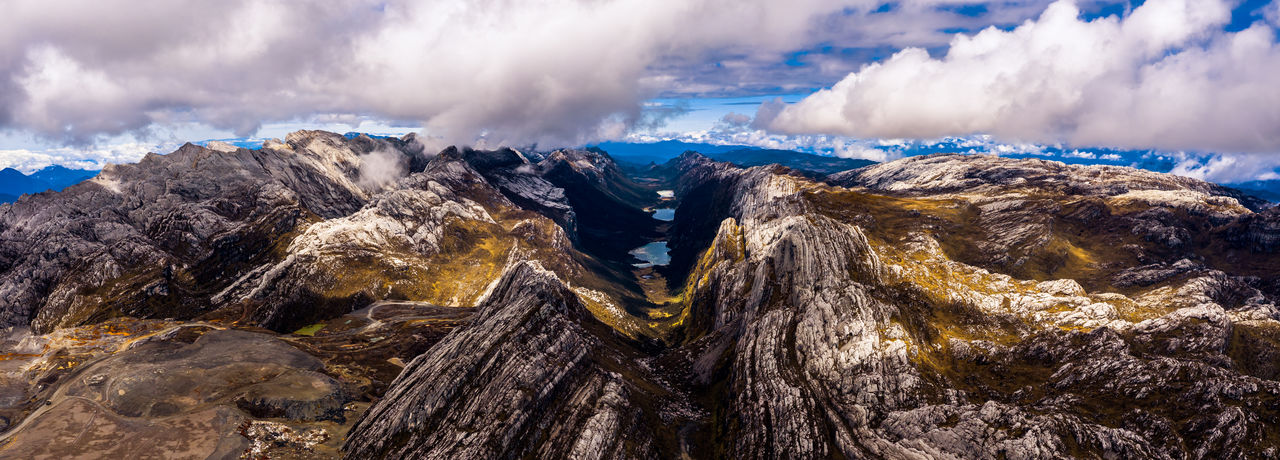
[[88, 82]]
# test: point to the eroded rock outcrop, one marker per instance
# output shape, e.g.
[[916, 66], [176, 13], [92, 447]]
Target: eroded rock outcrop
[[160, 237], [282, 236], [533, 375], [185, 399], [936, 307], [831, 342]]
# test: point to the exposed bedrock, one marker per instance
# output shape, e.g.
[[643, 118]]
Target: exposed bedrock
[[531, 376], [945, 306]]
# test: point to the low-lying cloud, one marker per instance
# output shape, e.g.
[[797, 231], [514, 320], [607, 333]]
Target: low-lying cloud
[[382, 167], [1166, 76], [29, 161], [1229, 168]]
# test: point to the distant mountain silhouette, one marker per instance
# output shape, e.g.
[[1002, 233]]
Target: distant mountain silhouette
[[14, 183], [819, 165], [60, 177]]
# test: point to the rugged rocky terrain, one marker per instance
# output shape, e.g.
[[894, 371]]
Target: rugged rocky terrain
[[849, 323], [358, 297]]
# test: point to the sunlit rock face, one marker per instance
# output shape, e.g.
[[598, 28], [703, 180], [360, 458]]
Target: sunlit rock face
[[532, 375], [853, 328], [326, 296], [289, 234], [971, 319], [295, 234], [158, 238]]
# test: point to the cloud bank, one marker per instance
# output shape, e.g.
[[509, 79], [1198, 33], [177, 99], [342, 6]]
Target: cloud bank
[[1165, 76], [521, 71], [29, 161], [518, 72]]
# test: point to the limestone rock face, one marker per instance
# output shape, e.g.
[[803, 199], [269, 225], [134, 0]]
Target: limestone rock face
[[521, 181], [989, 174], [480, 304], [608, 204], [1028, 217], [966, 317], [154, 238], [849, 329], [526, 378], [296, 232]]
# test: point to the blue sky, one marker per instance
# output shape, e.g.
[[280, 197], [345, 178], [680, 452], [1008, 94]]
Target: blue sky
[[86, 83]]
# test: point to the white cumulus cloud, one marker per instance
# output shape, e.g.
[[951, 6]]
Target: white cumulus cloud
[[1165, 76], [509, 71], [505, 71]]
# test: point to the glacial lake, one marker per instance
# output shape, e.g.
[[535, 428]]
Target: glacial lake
[[664, 214], [655, 253]]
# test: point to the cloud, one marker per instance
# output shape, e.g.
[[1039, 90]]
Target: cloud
[[1166, 76], [734, 129], [1228, 168], [838, 44], [1080, 154], [502, 71], [80, 69], [735, 120], [554, 70], [29, 161], [1225, 168], [382, 167]]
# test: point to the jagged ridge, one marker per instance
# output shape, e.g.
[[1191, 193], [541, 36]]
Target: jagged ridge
[[529, 377], [946, 306]]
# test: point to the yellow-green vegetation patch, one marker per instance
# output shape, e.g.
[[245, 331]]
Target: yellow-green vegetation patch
[[959, 226], [309, 330], [608, 312], [129, 291], [892, 217], [728, 247], [477, 255], [1136, 312]]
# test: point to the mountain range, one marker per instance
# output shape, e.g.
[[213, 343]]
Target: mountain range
[[14, 183], [348, 296]]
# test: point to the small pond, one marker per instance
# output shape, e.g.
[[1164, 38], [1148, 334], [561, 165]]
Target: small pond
[[655, 253]]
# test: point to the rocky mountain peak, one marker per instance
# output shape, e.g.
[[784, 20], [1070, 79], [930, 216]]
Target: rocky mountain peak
[[483, 305], [990, 174]]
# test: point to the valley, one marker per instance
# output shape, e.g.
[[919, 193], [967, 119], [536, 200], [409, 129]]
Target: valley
[[275, 302], [628, 229]]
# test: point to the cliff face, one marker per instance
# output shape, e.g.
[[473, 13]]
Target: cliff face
[[533, 375], [283, 236], [160, 237], [826, 321], [934, 307], [442, 236], [377, 264], [846, 326]]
